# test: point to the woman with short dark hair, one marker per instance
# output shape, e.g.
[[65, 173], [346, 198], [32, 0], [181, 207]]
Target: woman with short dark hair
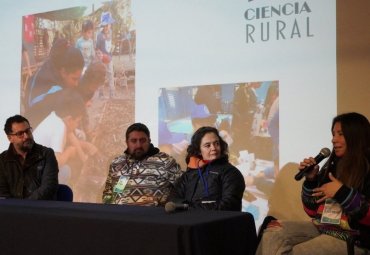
[[210, 181]]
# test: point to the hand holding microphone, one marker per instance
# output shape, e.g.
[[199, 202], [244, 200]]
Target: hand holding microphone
[[324, 153]]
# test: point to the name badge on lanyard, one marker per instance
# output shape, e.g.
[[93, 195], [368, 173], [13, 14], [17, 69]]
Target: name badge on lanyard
[[121, 184], [332, 212]]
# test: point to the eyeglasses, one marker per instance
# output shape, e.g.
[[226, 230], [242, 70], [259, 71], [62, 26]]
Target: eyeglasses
[[20, 134]]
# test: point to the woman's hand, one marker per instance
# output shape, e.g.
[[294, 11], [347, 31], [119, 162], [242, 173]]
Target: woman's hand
[[327, 190], [309, 162]]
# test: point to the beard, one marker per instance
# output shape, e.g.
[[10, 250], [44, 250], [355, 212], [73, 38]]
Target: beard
[[27, 145], [138, 154]]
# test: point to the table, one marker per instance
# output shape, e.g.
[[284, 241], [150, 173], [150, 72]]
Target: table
[[55, 227]]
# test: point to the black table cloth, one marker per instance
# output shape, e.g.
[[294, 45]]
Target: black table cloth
[[53, 227]]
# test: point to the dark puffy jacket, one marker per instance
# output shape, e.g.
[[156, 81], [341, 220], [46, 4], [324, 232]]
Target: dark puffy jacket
[[225, 187], [37, 178]]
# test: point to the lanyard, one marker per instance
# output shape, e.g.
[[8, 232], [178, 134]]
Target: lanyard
[[204, 181], [130, 168]]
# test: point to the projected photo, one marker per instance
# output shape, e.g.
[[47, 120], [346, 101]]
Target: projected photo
[[247, 117], [78, 88]]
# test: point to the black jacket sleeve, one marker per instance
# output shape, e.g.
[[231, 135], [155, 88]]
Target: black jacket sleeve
[[179, 188], [233, 186], [49, 178], [4, 187]]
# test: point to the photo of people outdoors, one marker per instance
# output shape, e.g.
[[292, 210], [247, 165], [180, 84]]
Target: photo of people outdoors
[[78, 73], [247, 117]]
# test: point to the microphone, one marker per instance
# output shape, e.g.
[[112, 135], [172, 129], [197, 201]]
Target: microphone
[[171, 207], [324, 153]]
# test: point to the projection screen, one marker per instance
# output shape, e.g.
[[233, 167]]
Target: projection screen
[[262, 72]]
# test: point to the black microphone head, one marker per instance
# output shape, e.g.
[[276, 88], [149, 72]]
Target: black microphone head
[[325, 152], [170, 207]]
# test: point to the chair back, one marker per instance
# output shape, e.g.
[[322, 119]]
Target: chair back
[[64, 193]]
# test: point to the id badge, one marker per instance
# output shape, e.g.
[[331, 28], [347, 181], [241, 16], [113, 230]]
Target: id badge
[[332, 212], [121, 184]]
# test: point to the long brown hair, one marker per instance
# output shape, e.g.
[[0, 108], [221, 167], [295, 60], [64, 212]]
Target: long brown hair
[[353, 167]]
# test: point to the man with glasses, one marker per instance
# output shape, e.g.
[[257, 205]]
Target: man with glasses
[[27, 170], [142, 175]]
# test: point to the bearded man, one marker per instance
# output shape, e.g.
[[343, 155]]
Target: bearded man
[[27, 170]]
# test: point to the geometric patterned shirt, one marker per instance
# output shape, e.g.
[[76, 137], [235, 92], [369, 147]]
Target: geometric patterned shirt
[[146, 182]]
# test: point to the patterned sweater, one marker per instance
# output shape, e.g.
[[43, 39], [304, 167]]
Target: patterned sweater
[[147, 182], [355, 218]]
